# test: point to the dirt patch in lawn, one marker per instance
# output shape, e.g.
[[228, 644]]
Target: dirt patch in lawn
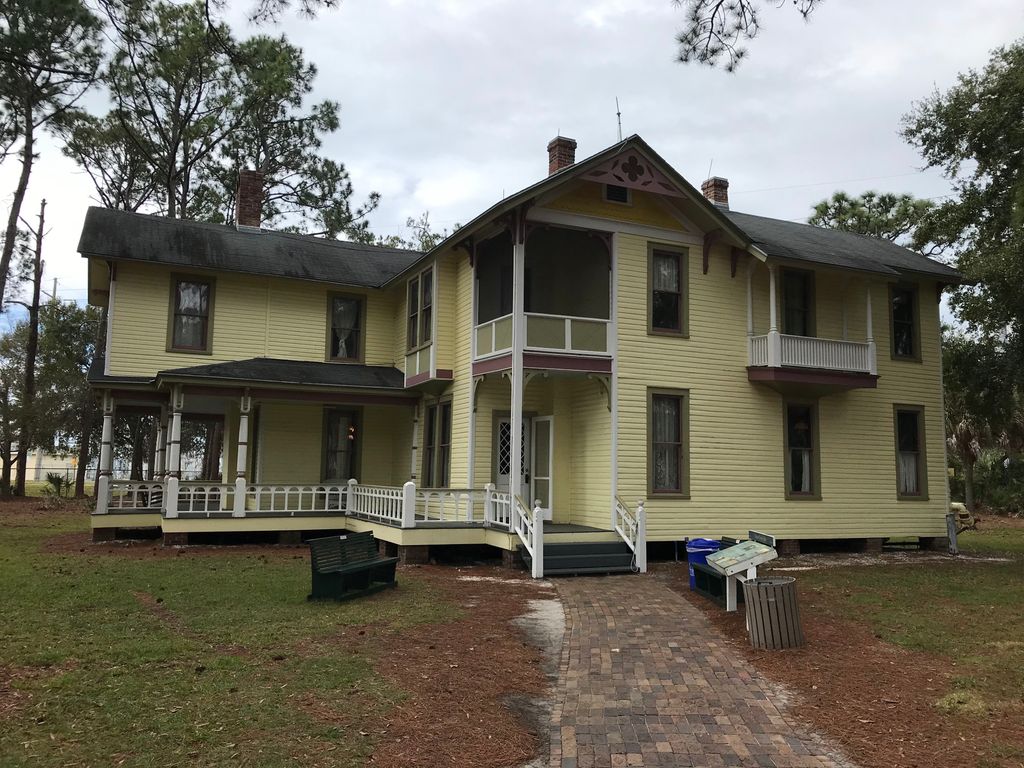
[[876, 699], [78, 542], [12, 696], [463, 681]]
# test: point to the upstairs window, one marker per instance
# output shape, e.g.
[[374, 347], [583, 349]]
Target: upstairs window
[[666, 282], [191, 312], [797, 302], [345, 322], [801, 451], [911, 479], [904, 328], [420, 324]]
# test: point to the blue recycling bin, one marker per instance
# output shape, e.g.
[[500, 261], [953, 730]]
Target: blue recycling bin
[[697, 551]]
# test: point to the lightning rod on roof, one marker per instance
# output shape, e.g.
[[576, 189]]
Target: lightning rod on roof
[[618, 114]]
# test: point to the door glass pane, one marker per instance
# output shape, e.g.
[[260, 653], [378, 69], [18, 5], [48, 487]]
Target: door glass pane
[[341, 445], [504, 447], [542, 436]]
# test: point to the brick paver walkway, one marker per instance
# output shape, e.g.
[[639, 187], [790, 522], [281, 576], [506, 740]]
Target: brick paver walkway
[[646, 680]]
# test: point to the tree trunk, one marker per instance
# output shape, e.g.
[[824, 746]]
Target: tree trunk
[[211, 452], [969, 483], [11, 233], [83, 455], [5, 477], [151, 448], [138, 433], [25, 436]]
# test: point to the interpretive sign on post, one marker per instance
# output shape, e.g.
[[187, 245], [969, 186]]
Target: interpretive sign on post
[[739, 563]]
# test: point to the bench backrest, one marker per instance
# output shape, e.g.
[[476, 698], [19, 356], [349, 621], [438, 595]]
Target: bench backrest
[[335, 551]]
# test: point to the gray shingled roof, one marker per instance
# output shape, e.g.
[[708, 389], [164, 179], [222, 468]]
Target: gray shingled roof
[[197, 245], [847, 250], [267, 370]]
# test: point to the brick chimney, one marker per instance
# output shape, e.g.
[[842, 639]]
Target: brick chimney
[[249, 200], [561, 153], [716, 189]]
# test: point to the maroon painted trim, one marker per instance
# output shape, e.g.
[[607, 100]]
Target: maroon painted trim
[[444, 373], [418, 378], [566, 363], [710, 238], [812, 376], [495, 364]]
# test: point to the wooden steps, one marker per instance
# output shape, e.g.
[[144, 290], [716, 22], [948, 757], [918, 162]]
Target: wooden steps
[[584, 558]]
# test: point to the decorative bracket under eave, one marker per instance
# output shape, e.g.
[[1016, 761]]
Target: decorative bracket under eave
[[531, 375], [477, 381], [604, 381], [710, 238]]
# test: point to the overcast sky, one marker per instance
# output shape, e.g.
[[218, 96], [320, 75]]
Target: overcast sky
[[448, 105]]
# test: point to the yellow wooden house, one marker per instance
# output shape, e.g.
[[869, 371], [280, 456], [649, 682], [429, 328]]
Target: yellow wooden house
[[609, 357]]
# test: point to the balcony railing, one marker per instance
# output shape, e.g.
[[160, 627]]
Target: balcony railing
[[546, 333], [776, 350]]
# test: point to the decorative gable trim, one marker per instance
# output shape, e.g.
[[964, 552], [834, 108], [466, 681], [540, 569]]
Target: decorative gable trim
[[633, 171]]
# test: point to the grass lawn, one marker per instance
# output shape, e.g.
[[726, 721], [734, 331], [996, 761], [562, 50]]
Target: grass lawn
[[163, 660], [968, 612]]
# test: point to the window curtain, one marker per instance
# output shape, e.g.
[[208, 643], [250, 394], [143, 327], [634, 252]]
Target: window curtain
[[908, 473], [666, 274], [666, 443], [345, 321], [191, 314], [800, 471]]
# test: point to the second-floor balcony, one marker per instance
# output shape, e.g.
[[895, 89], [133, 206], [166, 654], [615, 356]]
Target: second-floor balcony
[[782, 350], [563, 334]]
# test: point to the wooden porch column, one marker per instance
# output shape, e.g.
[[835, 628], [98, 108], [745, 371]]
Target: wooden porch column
[[518, 343], [774, 340], [241, 459], [106, 455], [174, 454], [161, 445], [872, 352]]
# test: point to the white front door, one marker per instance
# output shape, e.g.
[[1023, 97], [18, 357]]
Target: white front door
[[503, 450], [542, 460]]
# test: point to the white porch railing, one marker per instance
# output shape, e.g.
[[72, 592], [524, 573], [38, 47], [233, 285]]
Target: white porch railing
[[564, 333], [529, 526], [451, 505], [132, 496], [291, 500], [498, 509], [632, 527], [811, 352], [204, 497], [387, 504]]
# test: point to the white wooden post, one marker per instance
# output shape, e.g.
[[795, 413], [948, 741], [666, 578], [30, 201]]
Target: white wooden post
[[518, 342], [641, 537], [415, 441], [774, 340], [350, 496], [244, 407], [538, 540], [174, 454], [106, 456], [409, 505], [872, 352], [489, 504]]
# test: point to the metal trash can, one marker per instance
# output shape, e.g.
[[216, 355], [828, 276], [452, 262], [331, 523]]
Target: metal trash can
[[773, 615]]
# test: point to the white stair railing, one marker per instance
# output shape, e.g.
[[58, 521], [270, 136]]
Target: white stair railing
[[632, 527], [529, 525]]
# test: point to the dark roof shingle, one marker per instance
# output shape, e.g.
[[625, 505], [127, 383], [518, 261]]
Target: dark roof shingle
[[267, 370], [847, 250], [198, 245]]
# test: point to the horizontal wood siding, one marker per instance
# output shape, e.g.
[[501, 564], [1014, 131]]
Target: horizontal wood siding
[[252, 317], [736, 462], [588, 199], [290, 443], [590, 450]]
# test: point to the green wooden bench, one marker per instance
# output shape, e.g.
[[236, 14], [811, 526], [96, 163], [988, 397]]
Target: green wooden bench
[[349, 566]]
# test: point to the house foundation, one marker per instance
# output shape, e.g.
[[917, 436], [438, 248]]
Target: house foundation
[[104, 534], [414, 554], [872, 546], [788, 547], [175, 539], [511, 559], [933, 543], [290, 538]]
